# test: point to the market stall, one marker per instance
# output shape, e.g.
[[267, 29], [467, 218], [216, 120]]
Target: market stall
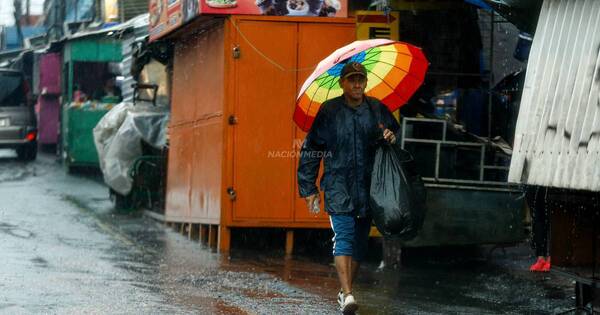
[[90, 67], [233, 144]]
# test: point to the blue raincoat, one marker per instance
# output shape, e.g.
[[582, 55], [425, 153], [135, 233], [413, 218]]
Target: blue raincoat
[[346, 139]]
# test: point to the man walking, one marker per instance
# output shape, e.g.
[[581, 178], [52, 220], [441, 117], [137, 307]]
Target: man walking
[[344, 134]]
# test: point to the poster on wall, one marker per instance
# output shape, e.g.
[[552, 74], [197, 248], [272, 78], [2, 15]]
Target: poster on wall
[[111, 10], [165, 16], [323, 8]]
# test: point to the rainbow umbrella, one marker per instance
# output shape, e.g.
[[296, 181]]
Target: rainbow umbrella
[[395, 70]]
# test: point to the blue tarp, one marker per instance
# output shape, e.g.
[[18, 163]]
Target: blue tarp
[[10, 38]]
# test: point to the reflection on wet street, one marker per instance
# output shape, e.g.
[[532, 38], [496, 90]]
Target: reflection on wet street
[[64, 250]]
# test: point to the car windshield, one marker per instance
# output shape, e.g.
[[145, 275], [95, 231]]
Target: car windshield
[[12, 92]]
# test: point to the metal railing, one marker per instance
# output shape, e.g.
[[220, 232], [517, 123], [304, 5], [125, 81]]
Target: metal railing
[[438, 148]]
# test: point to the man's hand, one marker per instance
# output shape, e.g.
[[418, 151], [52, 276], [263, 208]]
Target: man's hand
[[389, 136], [311, 201]]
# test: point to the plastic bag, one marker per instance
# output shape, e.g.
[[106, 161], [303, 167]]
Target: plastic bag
[[118, 137], [397, 193]]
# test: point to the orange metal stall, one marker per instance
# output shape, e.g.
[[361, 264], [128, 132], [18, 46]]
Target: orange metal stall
[[234, 146]]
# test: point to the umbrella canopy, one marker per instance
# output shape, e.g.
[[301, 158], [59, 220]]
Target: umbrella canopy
[[395, 70]]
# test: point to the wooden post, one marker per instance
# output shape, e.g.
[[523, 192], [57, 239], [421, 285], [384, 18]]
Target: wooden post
[[203, 233], [182, 228], [193, 232], [224, 239], [288, 264], [289, 242], [212, 236]]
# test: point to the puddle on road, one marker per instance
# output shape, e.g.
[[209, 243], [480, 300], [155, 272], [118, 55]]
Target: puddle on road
[[185, 272], [11, 169], [209, 305], [6, 305], [192, 274], [265, 282], [15, 231], [183, 276], [40, 262]]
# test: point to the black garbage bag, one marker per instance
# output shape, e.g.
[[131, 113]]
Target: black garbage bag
[[397, 193]]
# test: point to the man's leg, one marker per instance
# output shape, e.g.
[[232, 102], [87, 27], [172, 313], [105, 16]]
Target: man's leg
[[343, 250], [343, 239], [362, 227], [343, 265]]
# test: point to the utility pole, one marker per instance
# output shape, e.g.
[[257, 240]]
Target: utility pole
[[18, 8], [27, 15], [55, 8]]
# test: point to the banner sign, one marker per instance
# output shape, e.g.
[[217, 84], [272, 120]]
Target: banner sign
[[167, 15]]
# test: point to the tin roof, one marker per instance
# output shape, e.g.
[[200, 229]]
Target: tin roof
[[140, 21], [557, 141]]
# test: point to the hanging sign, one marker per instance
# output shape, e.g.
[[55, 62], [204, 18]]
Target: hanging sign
[[376, 24]]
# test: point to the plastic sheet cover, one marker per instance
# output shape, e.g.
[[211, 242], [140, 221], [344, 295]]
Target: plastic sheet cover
[[118, 138]]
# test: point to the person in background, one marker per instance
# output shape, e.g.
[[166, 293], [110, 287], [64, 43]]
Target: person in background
[[536, 200], [344, 134], [109, 88]]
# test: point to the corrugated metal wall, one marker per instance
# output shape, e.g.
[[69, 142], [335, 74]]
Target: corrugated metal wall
[[557, 140], [132, 8], [140, 31], [126, 88]]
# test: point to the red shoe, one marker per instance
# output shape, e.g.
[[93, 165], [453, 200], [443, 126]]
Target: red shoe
[[546, 267], [539, 265]]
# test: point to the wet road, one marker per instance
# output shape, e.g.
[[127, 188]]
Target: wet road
[[65, 251]]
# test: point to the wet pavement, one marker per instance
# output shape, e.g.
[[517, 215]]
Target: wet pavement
[[66, 251]]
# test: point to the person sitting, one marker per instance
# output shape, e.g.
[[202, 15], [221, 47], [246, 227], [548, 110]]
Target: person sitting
[[109, 89]]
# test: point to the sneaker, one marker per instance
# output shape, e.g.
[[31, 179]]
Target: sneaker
[[538, 266], [340, 298], [349, 306], [546, 267]]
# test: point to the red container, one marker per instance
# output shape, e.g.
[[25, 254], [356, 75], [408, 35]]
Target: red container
[[234, 146], [50, 74], [48, 117]]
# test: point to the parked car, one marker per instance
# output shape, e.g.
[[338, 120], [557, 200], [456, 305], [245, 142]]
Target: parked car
[[18, 125]]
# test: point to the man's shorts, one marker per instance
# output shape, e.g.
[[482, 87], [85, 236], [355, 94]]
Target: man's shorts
[[351, 235]]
